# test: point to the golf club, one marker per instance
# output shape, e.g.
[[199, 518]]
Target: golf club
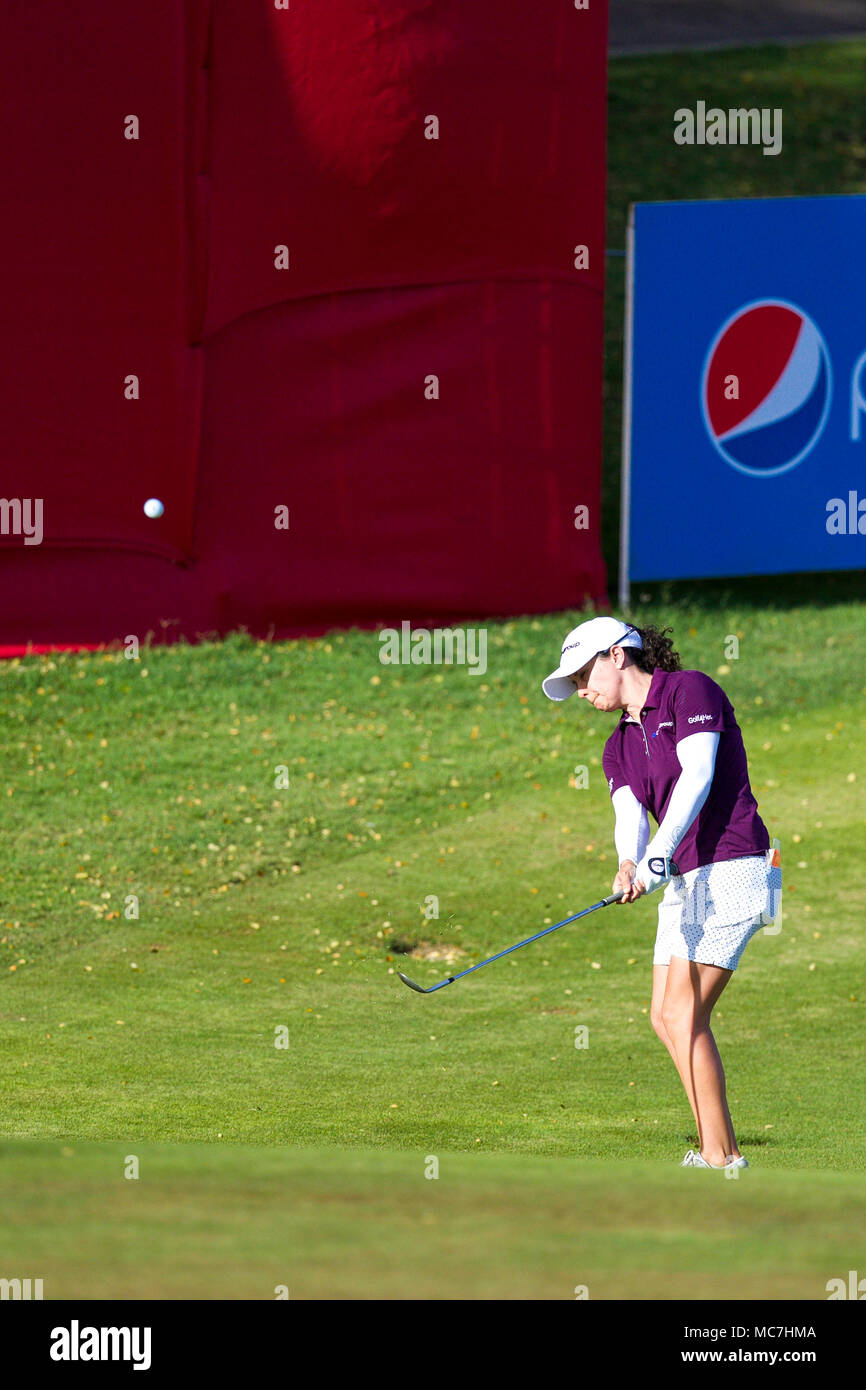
[[605, 902]]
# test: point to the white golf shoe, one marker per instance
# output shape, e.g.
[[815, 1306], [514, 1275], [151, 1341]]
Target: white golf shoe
[[694, 1160]]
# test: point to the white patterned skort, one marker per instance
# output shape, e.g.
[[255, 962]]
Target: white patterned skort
[[710, 914]]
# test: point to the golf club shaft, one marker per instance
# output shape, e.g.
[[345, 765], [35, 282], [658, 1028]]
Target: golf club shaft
[[604, 902]]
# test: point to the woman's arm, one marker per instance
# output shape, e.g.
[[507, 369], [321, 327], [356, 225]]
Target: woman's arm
[[632, 828], [630, 835], [697, 758]]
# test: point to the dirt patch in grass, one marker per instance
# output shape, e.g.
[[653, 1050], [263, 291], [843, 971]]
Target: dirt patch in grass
[[429, 950]]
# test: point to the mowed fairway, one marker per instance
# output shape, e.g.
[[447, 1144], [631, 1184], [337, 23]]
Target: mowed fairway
[[266, 908], [265, 1223]]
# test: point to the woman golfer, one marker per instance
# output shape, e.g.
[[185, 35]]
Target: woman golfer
[[677, 753]]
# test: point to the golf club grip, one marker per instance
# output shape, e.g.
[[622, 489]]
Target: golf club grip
[[614, 898]]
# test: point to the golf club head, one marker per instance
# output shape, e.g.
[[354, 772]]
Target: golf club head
[[410, 983]]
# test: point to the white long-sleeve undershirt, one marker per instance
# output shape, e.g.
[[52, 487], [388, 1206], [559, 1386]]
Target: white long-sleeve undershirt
[[632, 830], [697, 758]]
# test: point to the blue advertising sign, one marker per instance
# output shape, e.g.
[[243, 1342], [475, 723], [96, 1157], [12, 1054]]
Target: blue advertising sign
[[744, 439]]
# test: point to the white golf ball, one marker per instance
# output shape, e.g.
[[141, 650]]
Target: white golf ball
[[153, 507]]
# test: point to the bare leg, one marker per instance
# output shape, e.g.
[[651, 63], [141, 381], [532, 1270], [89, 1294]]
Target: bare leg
[[691, 991], [660, 979]]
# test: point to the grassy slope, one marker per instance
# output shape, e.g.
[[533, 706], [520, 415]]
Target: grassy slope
[[405, 782]]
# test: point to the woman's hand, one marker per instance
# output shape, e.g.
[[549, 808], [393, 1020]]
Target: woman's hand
[[624, 882]]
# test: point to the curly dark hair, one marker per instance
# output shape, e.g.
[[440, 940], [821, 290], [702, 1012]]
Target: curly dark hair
[[657, 652]]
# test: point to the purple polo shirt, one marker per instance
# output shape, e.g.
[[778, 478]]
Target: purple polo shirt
[[644, 757]]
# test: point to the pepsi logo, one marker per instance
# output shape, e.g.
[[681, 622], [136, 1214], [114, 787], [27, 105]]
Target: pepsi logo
[[766, 388]]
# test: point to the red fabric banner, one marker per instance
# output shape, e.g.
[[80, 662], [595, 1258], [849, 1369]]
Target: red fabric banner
[[319, 259]]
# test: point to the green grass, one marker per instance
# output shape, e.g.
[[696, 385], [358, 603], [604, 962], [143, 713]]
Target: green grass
[[263, 907], [232, 1223]]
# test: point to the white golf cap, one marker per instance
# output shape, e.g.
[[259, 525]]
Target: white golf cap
[[581, 645]]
